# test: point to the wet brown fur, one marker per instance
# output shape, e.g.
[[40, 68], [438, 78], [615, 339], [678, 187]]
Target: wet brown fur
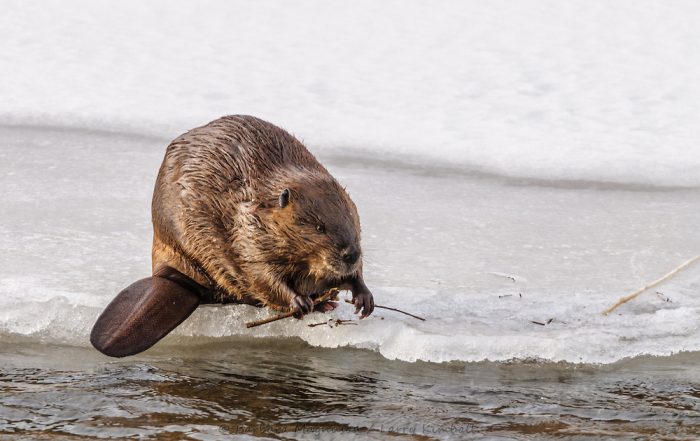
[[217, 217]]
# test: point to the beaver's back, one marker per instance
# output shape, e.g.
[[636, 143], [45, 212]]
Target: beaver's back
[[233, 147], [207, 174]]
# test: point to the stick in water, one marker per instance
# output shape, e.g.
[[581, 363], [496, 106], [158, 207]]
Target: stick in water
[[632, 296], [327, 296]]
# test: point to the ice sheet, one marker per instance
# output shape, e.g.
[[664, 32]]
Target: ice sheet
[[512, 161], [480, 258]]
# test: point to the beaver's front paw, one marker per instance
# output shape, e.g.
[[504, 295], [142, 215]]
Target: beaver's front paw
[[363, 301], [302, 305]]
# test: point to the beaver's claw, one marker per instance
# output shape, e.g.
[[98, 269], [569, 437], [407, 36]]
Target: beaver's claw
[[302, 305], [363, 301]]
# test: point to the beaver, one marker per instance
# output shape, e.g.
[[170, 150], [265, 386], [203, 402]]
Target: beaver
[[242, 213]]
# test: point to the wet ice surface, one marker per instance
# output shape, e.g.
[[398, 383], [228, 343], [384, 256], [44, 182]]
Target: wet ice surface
[[480, 258]]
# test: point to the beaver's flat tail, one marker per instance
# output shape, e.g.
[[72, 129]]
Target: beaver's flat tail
[[142, 314]]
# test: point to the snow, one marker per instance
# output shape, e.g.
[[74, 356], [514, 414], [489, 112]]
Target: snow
[[582, 90], [512, 162]]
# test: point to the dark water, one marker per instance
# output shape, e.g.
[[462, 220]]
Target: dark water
[[284, 389]]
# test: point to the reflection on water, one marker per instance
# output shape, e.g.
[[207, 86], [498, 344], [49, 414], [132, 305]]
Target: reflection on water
[[283, 389]]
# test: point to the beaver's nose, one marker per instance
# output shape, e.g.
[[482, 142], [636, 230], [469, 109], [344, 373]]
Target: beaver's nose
[[350, 254]]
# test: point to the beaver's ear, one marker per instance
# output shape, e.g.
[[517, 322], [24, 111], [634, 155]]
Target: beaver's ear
[[284, 198]]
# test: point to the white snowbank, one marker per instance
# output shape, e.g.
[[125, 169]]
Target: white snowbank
[[577, 90]]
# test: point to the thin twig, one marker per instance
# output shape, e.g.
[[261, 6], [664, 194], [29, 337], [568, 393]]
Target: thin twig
[[632, 296], [327, 296], [391, 309], [330, 322]]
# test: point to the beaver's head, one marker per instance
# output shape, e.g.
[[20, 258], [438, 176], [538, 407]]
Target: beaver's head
[[311, 229]]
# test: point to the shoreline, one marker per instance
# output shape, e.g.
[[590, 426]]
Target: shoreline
[[338, 154]]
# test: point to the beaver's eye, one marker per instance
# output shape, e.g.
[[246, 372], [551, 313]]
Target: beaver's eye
[[320, 228]]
